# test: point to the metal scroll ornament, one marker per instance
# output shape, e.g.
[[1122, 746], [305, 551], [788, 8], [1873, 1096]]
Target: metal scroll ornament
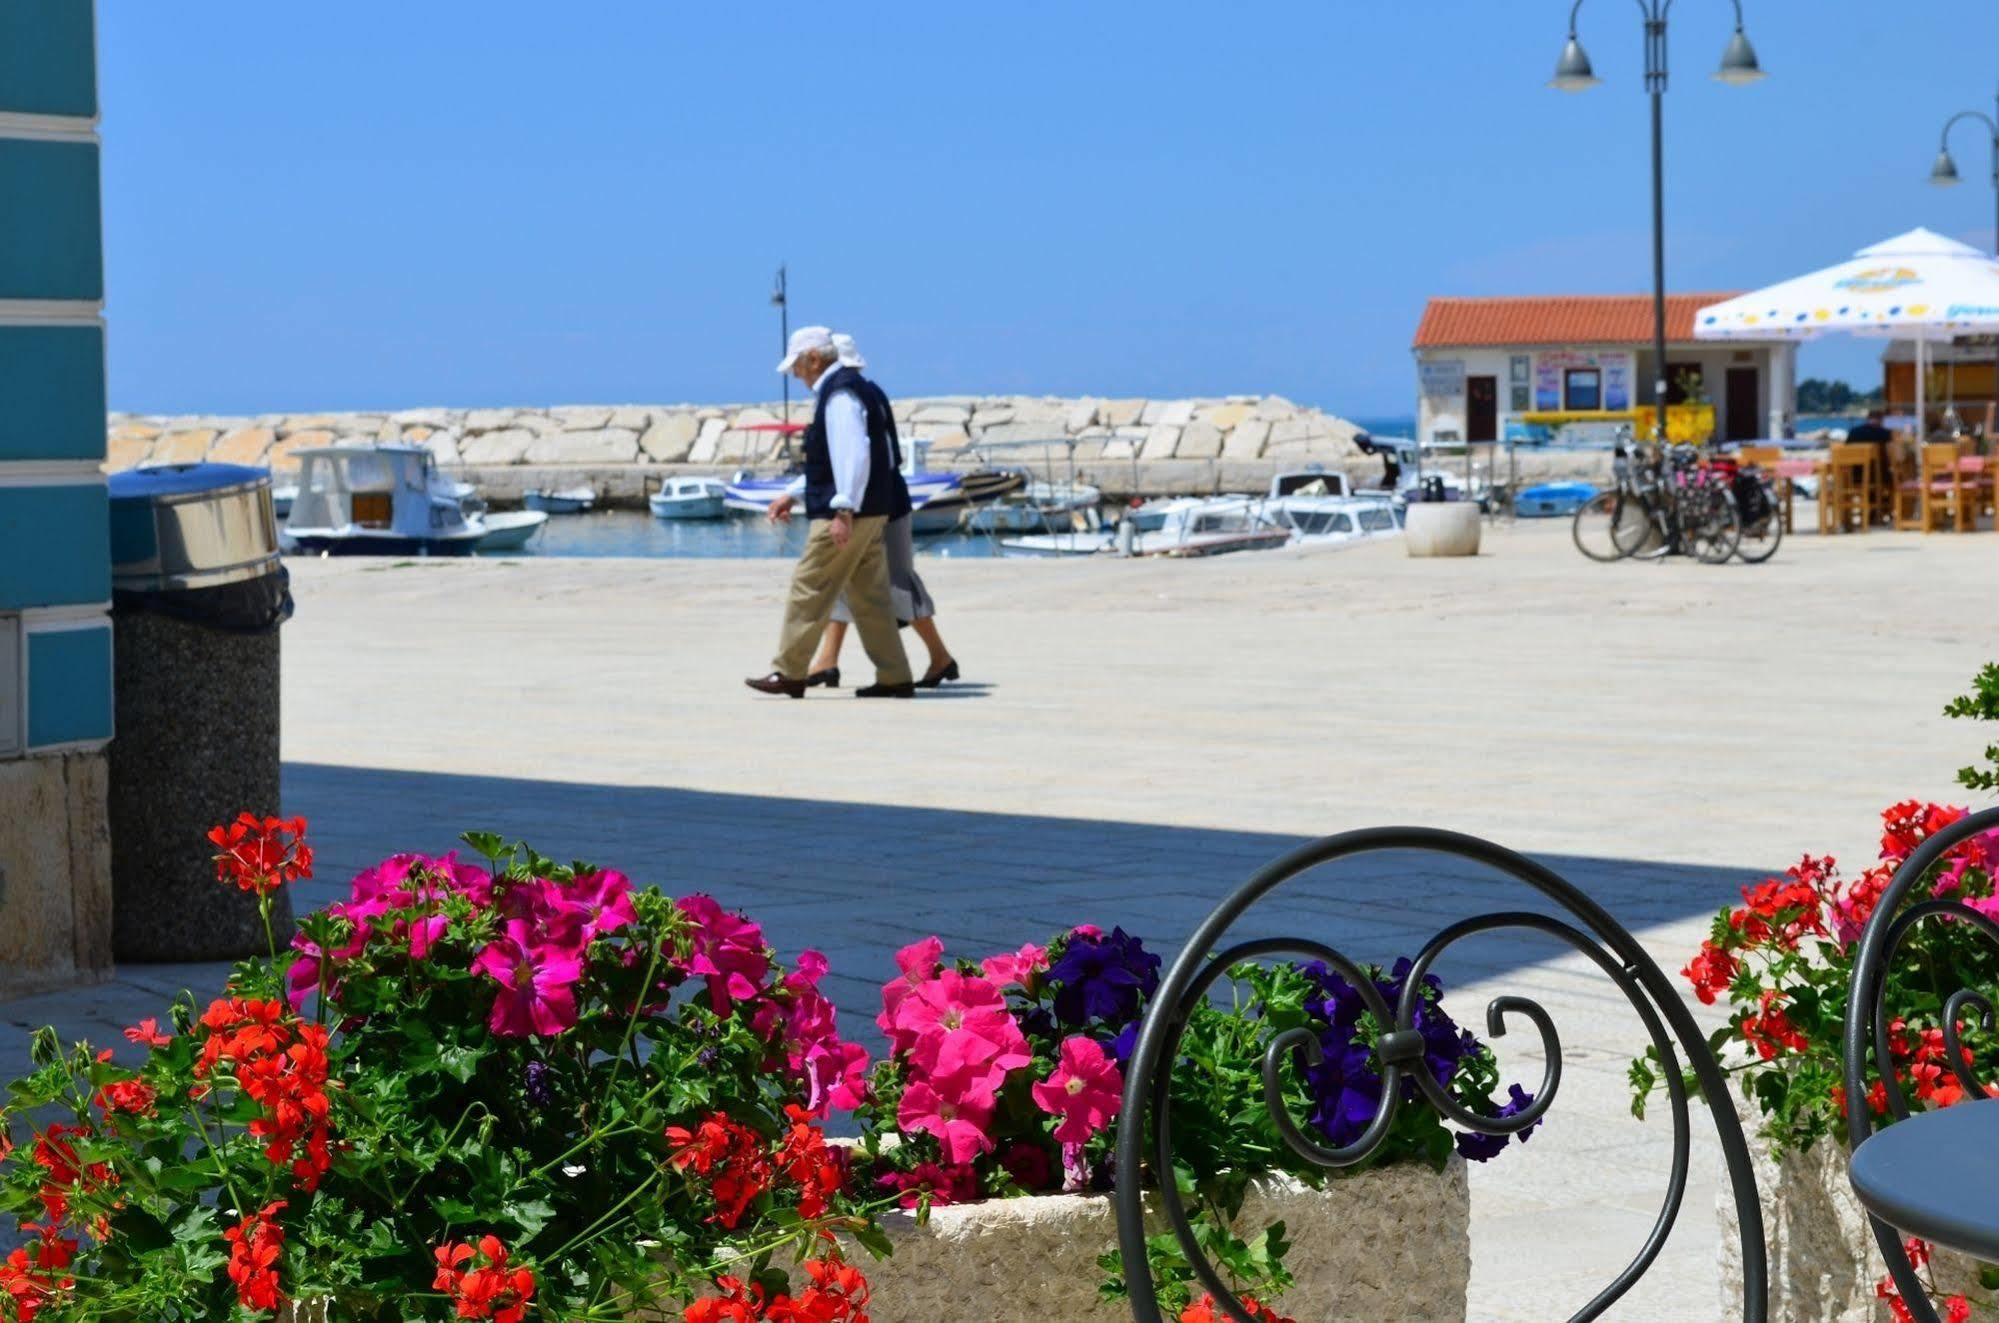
[[1145, 1138], [1867, 1019]]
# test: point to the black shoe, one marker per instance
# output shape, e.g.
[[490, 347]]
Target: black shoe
[[935, 678], [775, 683], [907, 689], [830, 678]]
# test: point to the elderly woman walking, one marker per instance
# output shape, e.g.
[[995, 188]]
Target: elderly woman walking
[[914, 607]]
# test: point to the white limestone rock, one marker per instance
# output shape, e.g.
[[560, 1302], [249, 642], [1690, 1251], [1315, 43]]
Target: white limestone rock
[[955, 414], [1080, 415], [1013, 433], [1246, 440], [708, 441], [991, 416], [606, 445], [431, 418], [1160, 441], [503, 446], [1199, 440], [1120, 413], [632, 417], [443, 446], [1272, 408], [488, 420], [670, 437]]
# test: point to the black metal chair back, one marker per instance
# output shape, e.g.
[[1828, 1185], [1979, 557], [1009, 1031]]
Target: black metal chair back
[[1867, 1021], [1594, 934]]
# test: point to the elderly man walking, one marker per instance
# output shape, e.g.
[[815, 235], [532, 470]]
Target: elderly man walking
[[850, 495]]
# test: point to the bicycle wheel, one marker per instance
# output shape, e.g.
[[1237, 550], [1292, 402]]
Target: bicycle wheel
[[1761, 536], [1641, 529], [1712, 530], [1596, 524]]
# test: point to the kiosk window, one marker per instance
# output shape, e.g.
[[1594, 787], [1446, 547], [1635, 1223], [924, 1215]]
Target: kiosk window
[[1583, 388]]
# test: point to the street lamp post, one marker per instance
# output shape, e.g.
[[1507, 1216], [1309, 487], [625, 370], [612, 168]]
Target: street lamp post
[[780, 296], [1574, 74], [1944, 174]]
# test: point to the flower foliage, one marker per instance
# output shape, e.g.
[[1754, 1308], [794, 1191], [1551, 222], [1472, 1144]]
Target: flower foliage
[[1782, 963], [514, 1091], [1006, 1076]]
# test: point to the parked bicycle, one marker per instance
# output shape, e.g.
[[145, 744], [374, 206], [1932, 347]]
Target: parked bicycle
[[1664, 501]]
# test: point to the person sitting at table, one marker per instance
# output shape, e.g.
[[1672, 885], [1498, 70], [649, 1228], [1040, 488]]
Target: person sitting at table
[[1874, 433]]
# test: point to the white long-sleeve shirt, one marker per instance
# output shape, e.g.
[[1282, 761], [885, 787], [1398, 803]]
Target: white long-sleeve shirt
[[847, 445]]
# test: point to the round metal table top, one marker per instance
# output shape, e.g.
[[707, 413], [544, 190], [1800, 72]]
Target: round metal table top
[[1936, 1175]]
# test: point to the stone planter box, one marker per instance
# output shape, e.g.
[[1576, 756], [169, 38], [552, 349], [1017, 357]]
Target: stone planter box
[[1442, 528], [1823, 1260], [1391, 1243]]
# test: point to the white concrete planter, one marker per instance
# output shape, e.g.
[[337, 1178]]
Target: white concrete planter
[[1823, 1260], [1391, 1243], [1442, 528]]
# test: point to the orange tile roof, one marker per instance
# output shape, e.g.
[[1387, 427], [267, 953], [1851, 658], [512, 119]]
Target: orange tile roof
[[1566, 319]]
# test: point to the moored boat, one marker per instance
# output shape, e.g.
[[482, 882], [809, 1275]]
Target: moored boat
[[568, 500], [384, 500], [690, 498], [510, 530]]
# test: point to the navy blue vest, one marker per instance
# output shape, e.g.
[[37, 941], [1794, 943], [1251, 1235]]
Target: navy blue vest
[[886, 493]]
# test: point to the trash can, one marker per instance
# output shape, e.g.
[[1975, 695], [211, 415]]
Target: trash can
[[198, 595]]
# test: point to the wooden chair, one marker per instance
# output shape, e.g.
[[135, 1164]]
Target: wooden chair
[[1851, 489], [1923, 499], [1974, 491]]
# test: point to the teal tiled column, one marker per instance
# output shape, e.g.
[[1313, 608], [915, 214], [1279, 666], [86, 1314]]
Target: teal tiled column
[[55, 574]]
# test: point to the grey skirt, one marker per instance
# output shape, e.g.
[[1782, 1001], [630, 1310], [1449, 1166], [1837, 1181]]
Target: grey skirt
[[905, 587]]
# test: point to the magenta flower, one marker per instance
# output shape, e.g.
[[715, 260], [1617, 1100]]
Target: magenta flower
[[956, 1023], [1085, 1090], [603, 901], [918, 962], [1020, 967], [958, 1112], [728, 950], [537, 983]]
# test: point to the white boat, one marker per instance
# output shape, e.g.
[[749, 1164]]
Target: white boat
[[1043, 507], [510, 530], [381, 500], [1188, 526], [754, 495], [569, 500], [690, 498], [282, 498], [1318, 520]]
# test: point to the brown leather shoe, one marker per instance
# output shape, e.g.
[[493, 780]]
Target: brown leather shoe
[[775, 683], [907, 689]]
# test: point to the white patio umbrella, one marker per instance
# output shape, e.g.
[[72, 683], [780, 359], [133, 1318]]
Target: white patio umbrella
[[1918, 286]]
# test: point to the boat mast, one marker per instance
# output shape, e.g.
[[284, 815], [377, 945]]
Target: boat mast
[[779, 297]]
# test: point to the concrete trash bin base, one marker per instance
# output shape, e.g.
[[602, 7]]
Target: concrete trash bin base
[[1442, 528], [198, 597]]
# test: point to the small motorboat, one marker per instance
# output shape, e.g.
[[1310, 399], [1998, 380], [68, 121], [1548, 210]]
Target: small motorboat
[[1049, 545], [752, 495], [383, 500], [690, 498], [1552, 500], [1319, 520], [510, 530], [1043, 507], [569, 500], [944, 510], [1189, 526]]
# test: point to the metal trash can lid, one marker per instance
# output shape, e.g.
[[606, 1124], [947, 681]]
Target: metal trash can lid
[[182, 526]]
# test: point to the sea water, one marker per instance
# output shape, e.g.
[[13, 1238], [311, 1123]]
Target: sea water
[[635, 533]]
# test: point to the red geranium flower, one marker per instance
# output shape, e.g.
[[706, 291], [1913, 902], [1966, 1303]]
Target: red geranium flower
[[261, 854]]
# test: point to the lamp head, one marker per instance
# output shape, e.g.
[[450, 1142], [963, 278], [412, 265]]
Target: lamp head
[[1738, 62], [1573, 72], [1944, 173]]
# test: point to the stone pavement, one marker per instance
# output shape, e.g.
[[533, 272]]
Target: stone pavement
[[1139, 737]]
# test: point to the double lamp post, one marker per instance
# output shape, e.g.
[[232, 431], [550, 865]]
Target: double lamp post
[[1574, 74]]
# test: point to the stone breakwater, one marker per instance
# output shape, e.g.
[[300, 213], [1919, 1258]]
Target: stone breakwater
[[1126, 446]]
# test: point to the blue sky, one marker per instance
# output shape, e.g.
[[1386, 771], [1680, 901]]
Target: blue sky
[[388, 204]]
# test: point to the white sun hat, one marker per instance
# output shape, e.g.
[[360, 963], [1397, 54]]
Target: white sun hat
[[803, 341], [850, 353]]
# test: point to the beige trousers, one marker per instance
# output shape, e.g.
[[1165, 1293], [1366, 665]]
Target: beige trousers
[[823, 572]]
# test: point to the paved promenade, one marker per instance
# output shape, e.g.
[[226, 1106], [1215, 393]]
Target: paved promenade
[[1135, 738]]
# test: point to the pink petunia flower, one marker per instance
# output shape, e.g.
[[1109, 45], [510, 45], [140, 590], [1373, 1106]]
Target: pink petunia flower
[[1085, 1090], [918, 962], [729, 952], [537, 983], [956, 1023], [957, 1112], [1020, 967]]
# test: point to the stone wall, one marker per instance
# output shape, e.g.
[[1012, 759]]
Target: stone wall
[[1238, 427]]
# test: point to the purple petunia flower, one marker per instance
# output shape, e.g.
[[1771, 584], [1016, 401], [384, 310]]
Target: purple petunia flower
[[1102, 978], [1480, 1147]]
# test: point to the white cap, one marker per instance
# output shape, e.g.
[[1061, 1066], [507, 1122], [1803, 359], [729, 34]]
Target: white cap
[[850, 353], [803, 341]]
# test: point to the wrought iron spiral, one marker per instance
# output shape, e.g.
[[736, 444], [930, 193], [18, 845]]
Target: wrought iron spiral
[[1867, 1023], [1399, 1051]]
